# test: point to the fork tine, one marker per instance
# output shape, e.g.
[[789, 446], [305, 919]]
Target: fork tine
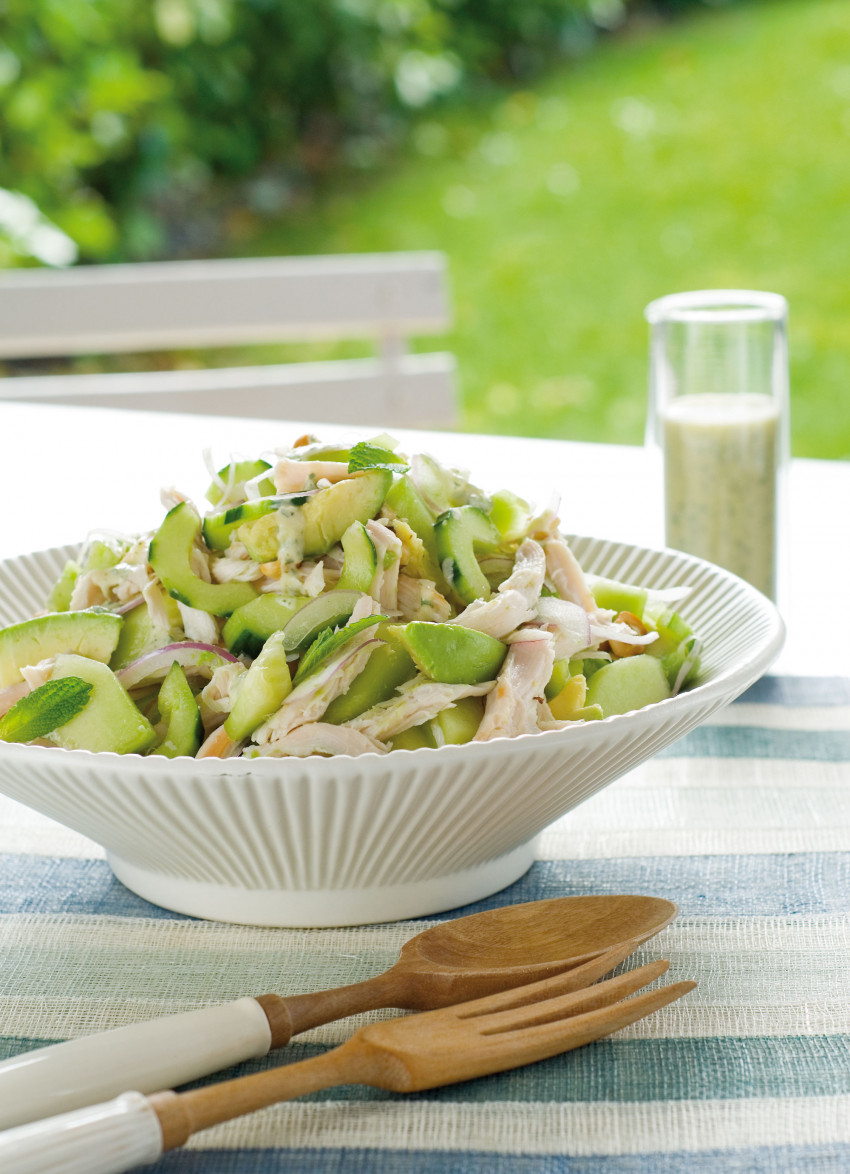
[[553, 1038], [495, 1053], [551, 1010], [573, 979]]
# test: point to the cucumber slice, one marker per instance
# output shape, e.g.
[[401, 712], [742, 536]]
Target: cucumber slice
[[627, 684], [102, 554], [510, 515], [179, 709], [676, 647], [617, 596], [325, 611], [449, 653], [218, 528], [460, 533], [386, 669], [361, 559], [329, 513], [405, 500], [93, 634], [250, 626], [242, 471], [263, 689], [110, 720], [169, 553], [59, 598]]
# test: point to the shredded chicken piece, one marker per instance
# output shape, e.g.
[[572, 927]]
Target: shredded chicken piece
[[130, 581], [219, 744], [566, 575], [199, 563], [156, 598], [419, 599], [13, 693], [418, 700], [87, 593], [170, 497], [384, 586], [291, 476], [515, 602], [198, 625], [364, 607], [323, 738], [414, 556], [215, 700], [512, 708], [236, 570], [311, 697]]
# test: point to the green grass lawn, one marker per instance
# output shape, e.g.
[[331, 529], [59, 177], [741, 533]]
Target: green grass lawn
[[714, 152]]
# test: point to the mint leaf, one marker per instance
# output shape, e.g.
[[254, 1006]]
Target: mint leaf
[[328, 642], [44, 710], [370, 456]]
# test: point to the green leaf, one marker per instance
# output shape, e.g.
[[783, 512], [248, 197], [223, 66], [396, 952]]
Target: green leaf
[[328, 642], [44, 710], [370, 456]]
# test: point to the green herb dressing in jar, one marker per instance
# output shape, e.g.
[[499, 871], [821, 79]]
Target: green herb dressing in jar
[[718, 409], [721, 465]]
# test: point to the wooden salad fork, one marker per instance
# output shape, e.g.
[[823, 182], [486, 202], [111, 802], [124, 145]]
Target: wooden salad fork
[[409, 1054]]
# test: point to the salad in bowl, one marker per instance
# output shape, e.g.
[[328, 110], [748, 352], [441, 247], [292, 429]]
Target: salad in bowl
[[335, 599]]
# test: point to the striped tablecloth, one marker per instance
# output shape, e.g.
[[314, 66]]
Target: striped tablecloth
[[745, 823]]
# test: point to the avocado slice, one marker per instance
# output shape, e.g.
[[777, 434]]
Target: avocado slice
[[110, 720], [169, 553], [329, 513], [93, 634], [448, 652]]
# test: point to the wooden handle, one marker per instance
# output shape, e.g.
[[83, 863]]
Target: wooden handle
[[182, 1114], [296, 1013]]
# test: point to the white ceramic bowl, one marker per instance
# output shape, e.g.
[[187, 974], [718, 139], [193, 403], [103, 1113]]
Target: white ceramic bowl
[[345, 841]]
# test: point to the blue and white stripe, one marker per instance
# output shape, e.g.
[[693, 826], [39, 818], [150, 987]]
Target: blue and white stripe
[[745, 823]]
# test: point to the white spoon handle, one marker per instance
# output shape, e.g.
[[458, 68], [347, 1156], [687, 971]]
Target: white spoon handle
[[100, 1139], [148, 1056]]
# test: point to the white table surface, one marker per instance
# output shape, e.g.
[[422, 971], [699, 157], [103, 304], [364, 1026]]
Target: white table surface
[[67, 470]]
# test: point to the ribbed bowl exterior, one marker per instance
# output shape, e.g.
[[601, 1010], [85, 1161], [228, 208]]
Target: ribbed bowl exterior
[[376, 822]]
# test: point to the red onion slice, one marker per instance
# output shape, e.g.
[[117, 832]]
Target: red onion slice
[[191, 656], [131, 605]]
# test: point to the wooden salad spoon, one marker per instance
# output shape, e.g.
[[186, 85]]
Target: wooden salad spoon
[[450, 962], [469, 1040]]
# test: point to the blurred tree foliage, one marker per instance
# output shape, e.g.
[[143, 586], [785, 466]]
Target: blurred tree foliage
[[136, 129]]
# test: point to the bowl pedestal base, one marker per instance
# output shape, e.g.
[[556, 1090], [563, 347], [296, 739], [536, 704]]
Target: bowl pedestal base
[[325, 908]]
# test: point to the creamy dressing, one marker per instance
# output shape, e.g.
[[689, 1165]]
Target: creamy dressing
[[721, 462], [290, 535]]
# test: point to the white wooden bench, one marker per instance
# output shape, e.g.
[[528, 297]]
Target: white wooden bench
[[177, 305]]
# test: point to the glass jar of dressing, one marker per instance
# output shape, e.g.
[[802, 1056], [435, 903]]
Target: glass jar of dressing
[[718, 407]]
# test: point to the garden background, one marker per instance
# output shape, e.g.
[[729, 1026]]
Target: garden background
[[573, 158]]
